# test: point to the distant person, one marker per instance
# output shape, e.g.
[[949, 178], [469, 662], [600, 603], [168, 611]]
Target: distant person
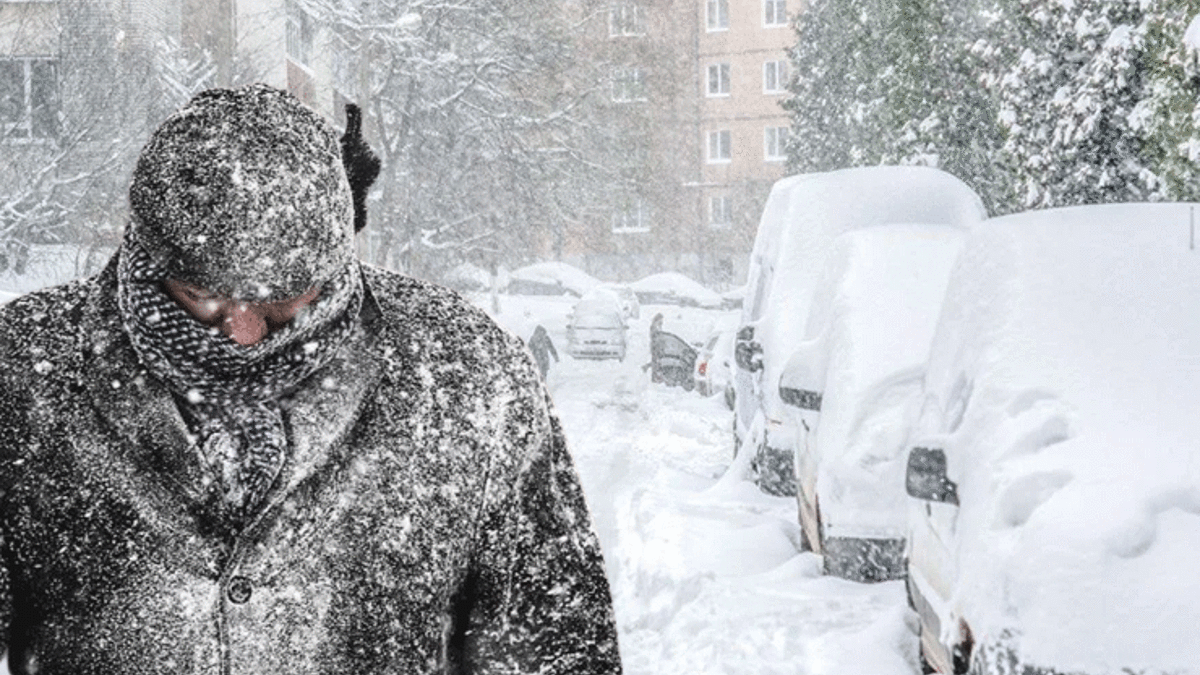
[[240, 449], [656, 348], [543, 348]]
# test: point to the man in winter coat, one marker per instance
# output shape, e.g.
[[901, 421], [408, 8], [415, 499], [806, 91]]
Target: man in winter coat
[[239, 450]]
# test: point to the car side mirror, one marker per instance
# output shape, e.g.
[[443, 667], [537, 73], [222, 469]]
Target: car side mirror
[[926, 476]]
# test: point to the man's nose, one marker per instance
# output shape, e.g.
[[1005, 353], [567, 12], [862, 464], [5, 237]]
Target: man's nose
[[243, 324]]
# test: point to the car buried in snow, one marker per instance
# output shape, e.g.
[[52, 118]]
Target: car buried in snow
[[802, 217], [1054, 466], [851, 388], [596, 328]]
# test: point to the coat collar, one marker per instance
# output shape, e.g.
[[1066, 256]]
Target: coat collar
[[154, 436]]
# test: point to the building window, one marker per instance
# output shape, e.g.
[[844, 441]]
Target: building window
[[28, 98], [299, 34], [631, 219], [624, 19], [720, 211], [774, 77], [718, 79], [719, 149], [775, 143], [627, 85], [717, 14], [774, 12]]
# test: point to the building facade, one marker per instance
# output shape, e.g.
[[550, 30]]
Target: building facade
[[695, 93]]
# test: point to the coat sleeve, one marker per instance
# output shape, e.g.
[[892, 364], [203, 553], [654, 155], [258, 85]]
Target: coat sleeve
[[539, 601]]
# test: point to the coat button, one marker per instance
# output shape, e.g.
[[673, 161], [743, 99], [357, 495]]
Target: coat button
[[239, 590]]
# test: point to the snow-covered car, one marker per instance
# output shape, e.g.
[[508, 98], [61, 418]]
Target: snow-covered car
[[1055, 463], [596, 328], [714, 367], [802, 217], [550, 278], [852, 386], [673, 288]]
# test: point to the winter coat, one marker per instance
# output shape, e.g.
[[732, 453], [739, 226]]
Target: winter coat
[[428, 519], [541, 346]]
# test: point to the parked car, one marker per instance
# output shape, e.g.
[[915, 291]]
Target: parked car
[[672, 360], [851, 387], [802, 217], [596, 328], [1055, 463], [550, 278], [673, 288], [714, 367]]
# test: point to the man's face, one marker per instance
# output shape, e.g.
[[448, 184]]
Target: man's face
[[246, 323]]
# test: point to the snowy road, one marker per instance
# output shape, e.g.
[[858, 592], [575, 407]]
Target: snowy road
[[706, 573]]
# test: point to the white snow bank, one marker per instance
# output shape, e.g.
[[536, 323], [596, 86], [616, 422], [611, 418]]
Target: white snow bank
[[1063, 384]]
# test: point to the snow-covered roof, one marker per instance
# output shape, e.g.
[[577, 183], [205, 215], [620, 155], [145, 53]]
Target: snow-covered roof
[[1065, 385], [674, 284]]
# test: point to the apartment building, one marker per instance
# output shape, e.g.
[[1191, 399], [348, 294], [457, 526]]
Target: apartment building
[[741, 57], [700, 82]]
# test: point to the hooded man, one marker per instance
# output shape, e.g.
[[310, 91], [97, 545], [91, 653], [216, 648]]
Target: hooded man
[[240, 450]]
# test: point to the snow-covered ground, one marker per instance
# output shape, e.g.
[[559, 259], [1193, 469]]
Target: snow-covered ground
[[706, 570]]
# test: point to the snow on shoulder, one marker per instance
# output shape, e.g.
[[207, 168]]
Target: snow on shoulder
[[1062, 384]]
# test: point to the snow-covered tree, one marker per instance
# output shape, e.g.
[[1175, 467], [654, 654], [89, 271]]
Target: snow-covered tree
[[471, 106], [894, 82], [1068, 100], [93, 103]]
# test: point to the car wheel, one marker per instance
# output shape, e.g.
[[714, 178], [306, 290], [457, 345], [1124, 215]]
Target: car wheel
[[776, 472]]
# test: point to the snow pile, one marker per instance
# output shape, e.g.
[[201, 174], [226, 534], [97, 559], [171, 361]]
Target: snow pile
[[867, 341], [1063, 385]]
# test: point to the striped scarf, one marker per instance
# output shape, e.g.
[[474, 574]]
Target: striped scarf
[[229, 394]]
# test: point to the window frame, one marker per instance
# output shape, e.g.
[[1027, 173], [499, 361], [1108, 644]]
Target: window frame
[[33, 124], [779, 67], [716, 15], [300, 33], [627, 85], [777, 136], [633, 219], [722, 204], [776, 9], [723, 71], [723, 145], [619, 24]]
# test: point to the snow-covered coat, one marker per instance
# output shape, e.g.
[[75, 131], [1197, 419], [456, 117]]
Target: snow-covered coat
[[428, 518]]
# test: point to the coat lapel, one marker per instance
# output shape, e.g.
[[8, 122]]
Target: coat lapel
[[133, 403]]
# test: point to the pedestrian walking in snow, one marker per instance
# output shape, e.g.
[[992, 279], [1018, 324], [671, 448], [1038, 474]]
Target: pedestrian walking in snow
[[240, 450], [655, 348], [542, 348]]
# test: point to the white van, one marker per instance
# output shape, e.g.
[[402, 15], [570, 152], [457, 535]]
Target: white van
[[1054, 467], [853, 385], [802, 217]]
